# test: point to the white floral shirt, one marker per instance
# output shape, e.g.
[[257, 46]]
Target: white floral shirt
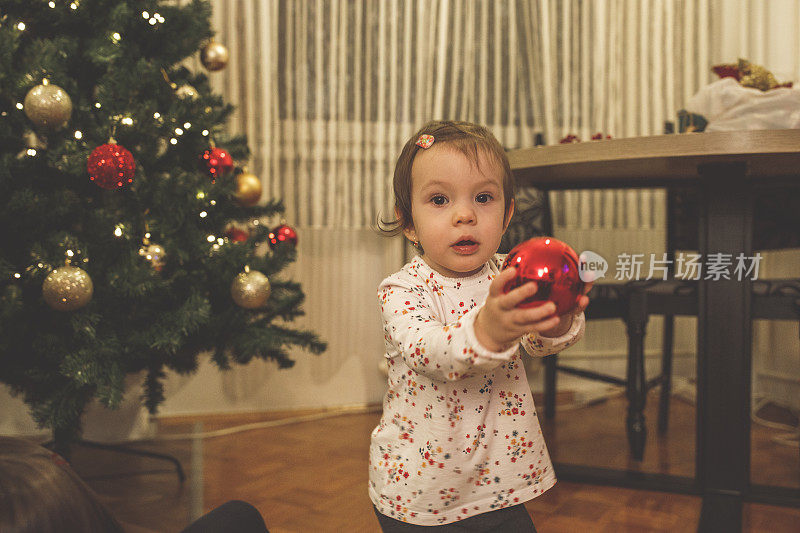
[[459, 435]]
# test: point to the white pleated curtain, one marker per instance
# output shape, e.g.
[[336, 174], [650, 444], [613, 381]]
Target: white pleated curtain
[[327, 91]]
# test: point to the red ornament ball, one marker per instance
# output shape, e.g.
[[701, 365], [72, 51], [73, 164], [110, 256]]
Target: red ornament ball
[[111, 166], [554, 266], [237, 235], [282, 234], [217, 162]]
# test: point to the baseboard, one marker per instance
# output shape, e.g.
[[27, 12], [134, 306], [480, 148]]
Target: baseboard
[[593, 355]]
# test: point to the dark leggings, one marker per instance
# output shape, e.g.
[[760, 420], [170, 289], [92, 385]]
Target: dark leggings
[[514, 518], [234, 515]]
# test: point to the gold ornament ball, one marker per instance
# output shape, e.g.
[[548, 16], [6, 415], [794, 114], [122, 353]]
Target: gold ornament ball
[[48, 106], [250, 289], [187, 91], [214, 56], [154, 254], [248, 189], [67, 288]]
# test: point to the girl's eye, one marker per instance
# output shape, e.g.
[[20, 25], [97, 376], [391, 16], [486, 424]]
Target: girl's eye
[[483, 198], [439, 200]]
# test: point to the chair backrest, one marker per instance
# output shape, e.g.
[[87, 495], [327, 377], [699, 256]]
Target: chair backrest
[[776, 219], [532, 214], [532, 218]]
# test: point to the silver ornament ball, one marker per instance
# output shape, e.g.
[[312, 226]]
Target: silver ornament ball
[[48, 106], [67, 288], [250, 289]]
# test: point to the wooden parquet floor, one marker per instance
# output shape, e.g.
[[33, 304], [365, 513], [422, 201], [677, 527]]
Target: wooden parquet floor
[[312, 476]]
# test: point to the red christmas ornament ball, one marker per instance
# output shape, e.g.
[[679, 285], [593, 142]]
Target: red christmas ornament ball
[[217, 162], [282, 234], [553, 265], [237, 235], [111, 166]]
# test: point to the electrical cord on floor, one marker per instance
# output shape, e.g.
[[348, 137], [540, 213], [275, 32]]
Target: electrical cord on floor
[[328, 413], [611, 392], [791, 438]]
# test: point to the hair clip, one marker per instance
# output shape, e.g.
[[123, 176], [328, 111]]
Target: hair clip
[[425, 141]]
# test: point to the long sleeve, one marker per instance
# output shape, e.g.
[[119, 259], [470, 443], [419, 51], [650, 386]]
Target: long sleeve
[[459, 435], [444, 352], [538, 346]]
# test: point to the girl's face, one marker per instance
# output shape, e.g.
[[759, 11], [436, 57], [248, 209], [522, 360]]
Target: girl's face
[[457, 210]]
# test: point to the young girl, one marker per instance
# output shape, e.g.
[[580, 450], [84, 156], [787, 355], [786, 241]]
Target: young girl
[[459, 444]]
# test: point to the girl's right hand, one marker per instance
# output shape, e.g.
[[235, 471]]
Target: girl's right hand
[[500, 324]]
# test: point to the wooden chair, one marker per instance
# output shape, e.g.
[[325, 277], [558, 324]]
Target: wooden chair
[[634, 302]]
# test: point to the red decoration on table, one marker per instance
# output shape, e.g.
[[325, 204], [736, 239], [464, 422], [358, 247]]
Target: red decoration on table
[[281, 234], [217, 162], [553, 265], [728, 70], [111, 166]]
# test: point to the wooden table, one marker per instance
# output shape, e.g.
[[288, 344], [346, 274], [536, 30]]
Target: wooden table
[[726, 168]]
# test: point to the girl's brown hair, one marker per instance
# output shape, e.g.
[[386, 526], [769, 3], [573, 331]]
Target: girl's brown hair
[[39, 492], [469, 139]]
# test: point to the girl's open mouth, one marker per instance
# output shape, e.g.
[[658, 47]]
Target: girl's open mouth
[[465, 246]]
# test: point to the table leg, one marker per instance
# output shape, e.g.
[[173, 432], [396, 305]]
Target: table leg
[[724, 345], [636, 385]]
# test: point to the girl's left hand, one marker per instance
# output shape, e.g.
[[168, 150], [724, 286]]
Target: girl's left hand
[[565, 321]]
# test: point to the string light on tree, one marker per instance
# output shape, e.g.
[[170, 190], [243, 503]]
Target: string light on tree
[[153, 253], [156, 18]]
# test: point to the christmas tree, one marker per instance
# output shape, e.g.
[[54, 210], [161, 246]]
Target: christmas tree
[[131, 239]]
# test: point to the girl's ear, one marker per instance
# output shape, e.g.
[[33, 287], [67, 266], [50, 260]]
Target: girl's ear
[[410, 234], [408, 229], [509, 214]]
